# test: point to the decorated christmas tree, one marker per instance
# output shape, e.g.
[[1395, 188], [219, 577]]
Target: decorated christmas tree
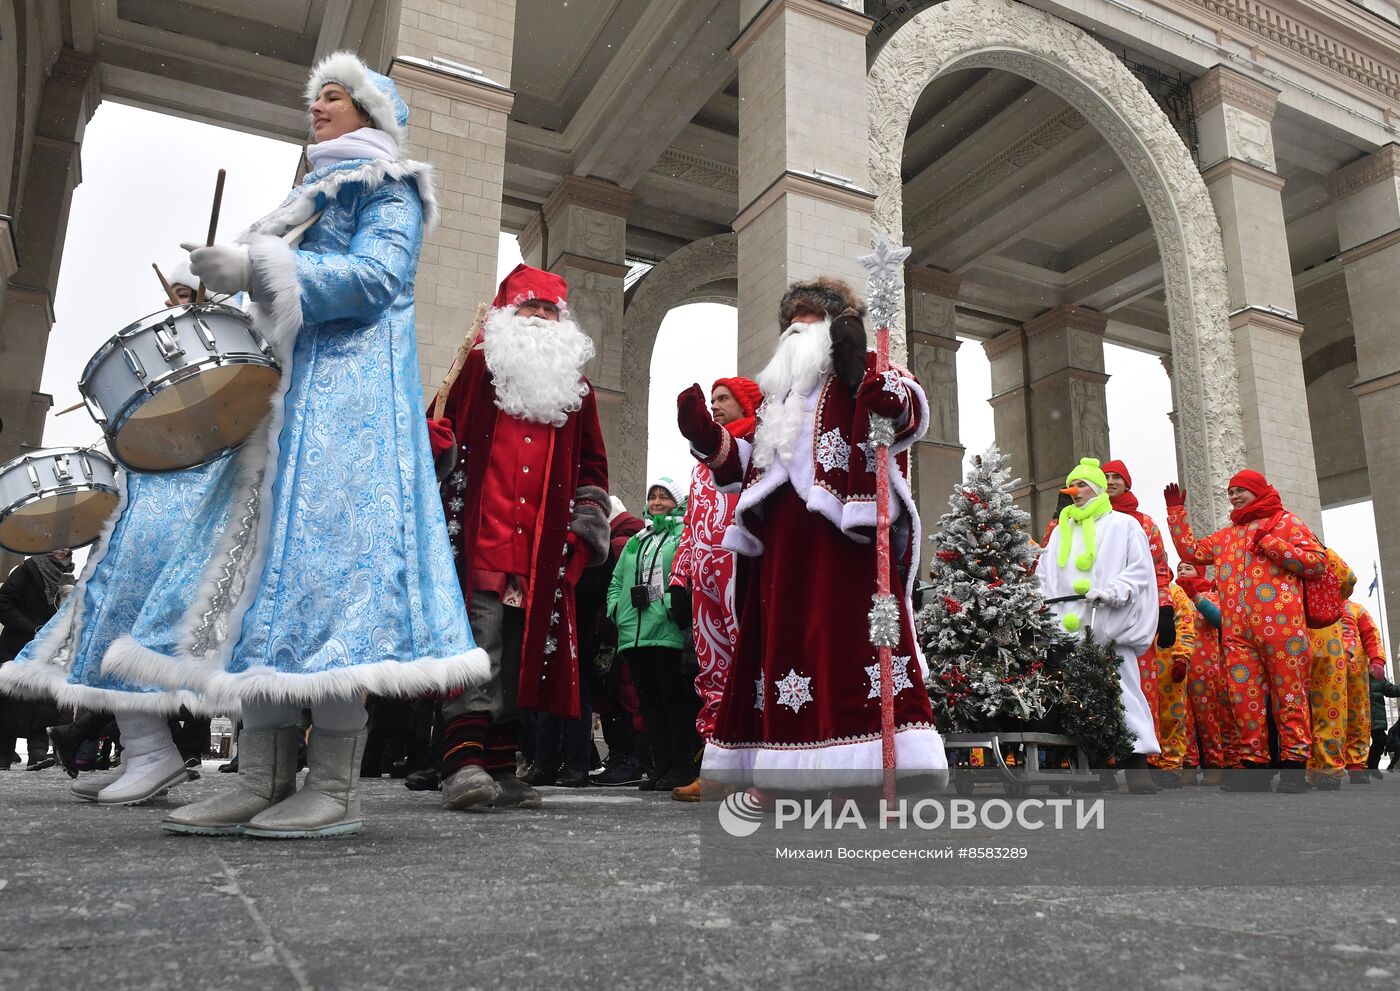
[[984, 628]]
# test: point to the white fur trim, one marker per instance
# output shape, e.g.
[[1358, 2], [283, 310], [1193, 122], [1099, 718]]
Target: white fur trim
[[346, 69], [129, 659], [845, 763], [275, 270], [302, 202]]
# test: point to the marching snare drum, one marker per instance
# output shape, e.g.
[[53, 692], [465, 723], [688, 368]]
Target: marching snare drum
[[179, 387], [55, 498]]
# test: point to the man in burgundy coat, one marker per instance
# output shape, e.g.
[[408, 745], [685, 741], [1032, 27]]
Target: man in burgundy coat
[[527, 510]]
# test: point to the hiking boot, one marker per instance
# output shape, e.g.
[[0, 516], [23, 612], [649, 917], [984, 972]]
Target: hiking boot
[[619, 771]]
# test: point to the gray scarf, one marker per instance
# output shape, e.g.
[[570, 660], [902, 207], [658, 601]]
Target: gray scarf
[[55, 576]]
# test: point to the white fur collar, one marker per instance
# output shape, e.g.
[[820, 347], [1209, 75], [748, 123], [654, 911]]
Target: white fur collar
[[301, 203]]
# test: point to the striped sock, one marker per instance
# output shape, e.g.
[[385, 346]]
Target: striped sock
[[502, 740], [464, 742]]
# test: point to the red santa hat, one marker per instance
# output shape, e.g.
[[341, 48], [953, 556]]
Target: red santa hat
[[525, 283], [1118, 468]]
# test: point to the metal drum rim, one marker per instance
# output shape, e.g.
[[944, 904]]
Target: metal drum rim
[[174, 377], [33, 497], [47, 452], [143, 323]]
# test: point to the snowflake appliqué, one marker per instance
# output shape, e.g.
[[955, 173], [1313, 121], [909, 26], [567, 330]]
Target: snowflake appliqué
[[901, 676], [454, 527], [758, 701], [892, 384], [455, 504], [833, 451], [458, 479], [794, 691]]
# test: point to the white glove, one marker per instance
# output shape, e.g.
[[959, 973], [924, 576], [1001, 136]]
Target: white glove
[[1102, 596], [224, 268]]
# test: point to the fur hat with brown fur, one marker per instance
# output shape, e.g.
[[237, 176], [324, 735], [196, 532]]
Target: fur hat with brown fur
[[823, 295]]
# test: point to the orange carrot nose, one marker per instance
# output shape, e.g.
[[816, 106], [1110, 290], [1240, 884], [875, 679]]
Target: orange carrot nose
[[1069, 491]]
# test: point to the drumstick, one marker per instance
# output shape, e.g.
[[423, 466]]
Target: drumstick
[[70, 408], [165, 284], [213, 225]]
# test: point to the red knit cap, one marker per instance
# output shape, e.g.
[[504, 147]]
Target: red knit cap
[[525, 283], [1118, 468], [1250, 479], [745, 390]]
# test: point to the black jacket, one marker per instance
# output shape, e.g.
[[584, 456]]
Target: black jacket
[[23, 609]]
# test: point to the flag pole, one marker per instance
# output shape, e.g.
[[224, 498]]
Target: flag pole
[[885, 295]]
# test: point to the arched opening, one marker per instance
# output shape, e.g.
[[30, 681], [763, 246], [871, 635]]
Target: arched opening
[[1077, 79]]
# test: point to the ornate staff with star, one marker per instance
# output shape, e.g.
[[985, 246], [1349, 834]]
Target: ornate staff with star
[[885, 295]]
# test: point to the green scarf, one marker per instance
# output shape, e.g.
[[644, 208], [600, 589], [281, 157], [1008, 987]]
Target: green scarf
[[1084, 516]]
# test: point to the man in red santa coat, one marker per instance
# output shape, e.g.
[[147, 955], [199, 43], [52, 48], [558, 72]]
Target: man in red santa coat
[[801, 710], [527, 510]]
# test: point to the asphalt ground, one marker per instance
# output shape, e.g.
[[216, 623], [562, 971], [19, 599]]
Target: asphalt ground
[[621, 889]]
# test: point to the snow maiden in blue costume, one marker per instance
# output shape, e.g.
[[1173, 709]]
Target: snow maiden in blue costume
[[316, 564]]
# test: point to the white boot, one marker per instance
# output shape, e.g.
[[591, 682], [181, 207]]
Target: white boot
[[328, 804], [150, 761], [88, 786]]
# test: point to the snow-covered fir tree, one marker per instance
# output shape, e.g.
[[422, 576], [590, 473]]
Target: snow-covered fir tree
[[984, 628]]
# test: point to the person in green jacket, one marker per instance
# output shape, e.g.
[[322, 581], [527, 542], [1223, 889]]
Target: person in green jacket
[[1381, 689], [653, 626]]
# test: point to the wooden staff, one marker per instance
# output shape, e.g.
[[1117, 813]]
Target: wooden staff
[[450, 379], [164, 284], [213, 226]]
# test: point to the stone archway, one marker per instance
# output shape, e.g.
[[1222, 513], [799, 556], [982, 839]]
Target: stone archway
[[702, 271], [1006, 35]]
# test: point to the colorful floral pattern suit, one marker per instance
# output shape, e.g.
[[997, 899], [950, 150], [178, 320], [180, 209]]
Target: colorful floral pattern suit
[[1369, 650], [1173, 715], [707, 569], [1207, 688], [1258, 569]]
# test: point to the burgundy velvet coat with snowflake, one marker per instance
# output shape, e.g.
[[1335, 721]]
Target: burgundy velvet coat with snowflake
[[802, 706]]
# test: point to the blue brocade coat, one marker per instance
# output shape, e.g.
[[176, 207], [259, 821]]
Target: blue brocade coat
[[314, 561]]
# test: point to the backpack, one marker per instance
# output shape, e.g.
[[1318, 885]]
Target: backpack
[[1323, 600]]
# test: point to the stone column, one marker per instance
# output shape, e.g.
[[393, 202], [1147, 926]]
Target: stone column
[[933, 349], [1068, 405], [1011, 414], [40, 226], [458, 111], [1367, 198], [582, 236], [1237, 149], [803, 169]]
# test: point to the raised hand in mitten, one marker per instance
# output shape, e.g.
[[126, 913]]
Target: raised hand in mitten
[[1174, 495], [223, 268], [695, 422], [882, 393]]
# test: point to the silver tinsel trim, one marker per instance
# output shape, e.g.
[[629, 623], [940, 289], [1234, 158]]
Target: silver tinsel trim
[[884, 621], [881, 431], [885, 290]]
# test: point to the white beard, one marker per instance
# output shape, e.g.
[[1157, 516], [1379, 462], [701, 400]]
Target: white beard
[[802, 358], [536, 365]]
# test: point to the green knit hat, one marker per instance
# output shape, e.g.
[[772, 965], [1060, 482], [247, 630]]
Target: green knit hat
[[1088, 469]]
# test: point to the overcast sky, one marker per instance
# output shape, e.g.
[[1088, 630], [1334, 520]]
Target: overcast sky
[[148, 181]]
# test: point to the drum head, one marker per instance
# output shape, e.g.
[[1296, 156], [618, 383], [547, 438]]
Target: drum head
[[71, 519], [189, 422]]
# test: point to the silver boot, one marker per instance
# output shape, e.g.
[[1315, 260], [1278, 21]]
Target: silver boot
[[328, 804], [267, 773]]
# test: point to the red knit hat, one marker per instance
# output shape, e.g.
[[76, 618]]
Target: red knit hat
[[1118, 468], [1250, 479], [745, 390], [525, 283]]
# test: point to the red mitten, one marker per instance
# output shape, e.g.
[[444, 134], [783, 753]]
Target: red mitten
[[695, 422], [1378, 672], [882, 393], [441, 436], [575, 559], [1175, 495], [1178, 669]]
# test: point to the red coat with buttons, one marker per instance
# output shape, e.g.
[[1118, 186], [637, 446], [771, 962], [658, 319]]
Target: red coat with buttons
[[566, 504]]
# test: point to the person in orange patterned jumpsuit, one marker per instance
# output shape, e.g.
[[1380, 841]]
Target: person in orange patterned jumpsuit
[[1211, 716], [1333, 648], [1362, 665], [1260, 560], [1172, 665], [1150, 665]]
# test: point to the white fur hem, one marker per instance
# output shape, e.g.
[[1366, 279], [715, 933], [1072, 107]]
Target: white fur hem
[[39, 680], [129, 659], [838, 764]]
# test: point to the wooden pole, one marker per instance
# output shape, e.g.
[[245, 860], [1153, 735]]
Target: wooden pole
[[213, 226]]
